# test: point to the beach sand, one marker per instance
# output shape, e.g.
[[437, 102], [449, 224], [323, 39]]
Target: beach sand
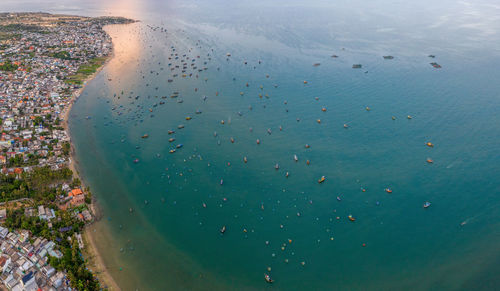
[[91, 253]]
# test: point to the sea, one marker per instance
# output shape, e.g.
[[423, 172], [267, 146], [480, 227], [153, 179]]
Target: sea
[[267, 105]]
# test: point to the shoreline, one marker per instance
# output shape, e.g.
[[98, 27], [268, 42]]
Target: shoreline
[[92, 256]]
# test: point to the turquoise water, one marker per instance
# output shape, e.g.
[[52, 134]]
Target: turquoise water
[[156, 233]]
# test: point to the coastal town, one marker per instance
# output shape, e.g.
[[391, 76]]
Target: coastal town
[[45, 61]]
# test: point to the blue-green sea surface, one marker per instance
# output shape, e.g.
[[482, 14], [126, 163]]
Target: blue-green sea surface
[[251, 91]]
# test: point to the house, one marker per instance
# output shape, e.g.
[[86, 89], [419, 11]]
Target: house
[[78, 200]]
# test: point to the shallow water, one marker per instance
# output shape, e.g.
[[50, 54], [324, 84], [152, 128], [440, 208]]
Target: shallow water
[[170, 241]]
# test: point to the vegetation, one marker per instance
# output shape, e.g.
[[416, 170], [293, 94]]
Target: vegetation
[[18, 27], [36, 184], [8, 66], [85, 71], [9, 35], [63, 55]]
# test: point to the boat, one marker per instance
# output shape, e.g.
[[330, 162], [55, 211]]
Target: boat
[[221, 181], [172, 151], [287, 174], [136, 161], [277, 166], [305, 82], [388, 57], [346, 126], [295, 158], [429, 144], [316, 64], [232, 140], [188, 118], [338, 198], [171, 132], [258, 141], [181, 126], [435, 65], [356, 66], [179, 146], [351, 218], [323, 109], [223, 229], [307, 146], [245, 159], [388, 190], [321, 180], [409, 117], [430, 161], [268, 278], [427, 204], [171, 139], [145, 136]]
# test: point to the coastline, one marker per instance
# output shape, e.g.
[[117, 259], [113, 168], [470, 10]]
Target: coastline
[[93, 259]]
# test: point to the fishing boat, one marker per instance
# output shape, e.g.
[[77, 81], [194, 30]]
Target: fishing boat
[[172, 151], [322, 179], [171, 131], [338, 198], [435, 65], [223, 229], [430, 161], [245, 159], [429, 144], [388, 190], [295, 158], [268, 278], [136, 161], [351, 218], [277, 166], [356, 66], [181, 126], [388, 57], [221, 181], [171, 139], [179, 146], [287, 174], [307, 146], [427, 204], [145, 136], [188, 118]]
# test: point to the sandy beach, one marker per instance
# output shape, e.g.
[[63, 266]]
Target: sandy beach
[[91, 253]]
